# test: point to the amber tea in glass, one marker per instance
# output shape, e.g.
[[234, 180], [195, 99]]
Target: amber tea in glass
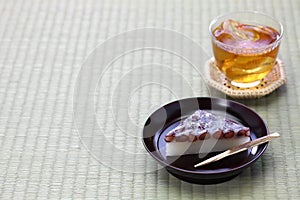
[[245, 46]]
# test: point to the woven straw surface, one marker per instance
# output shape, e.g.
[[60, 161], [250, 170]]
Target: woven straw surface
[[43, 47], [217, 80]]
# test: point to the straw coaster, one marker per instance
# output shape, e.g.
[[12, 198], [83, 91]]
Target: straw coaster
[[217, 80]]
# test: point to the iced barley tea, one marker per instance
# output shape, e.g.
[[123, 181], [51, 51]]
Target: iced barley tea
[[245, 53]]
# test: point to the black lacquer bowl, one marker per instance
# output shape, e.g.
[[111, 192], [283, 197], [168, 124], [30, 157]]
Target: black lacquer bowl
[[167, 117]]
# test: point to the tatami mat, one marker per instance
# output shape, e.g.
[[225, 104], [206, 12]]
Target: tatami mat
[[45, 150]]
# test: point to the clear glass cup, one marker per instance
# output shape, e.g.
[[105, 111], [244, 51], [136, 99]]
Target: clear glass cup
[[245, 46]]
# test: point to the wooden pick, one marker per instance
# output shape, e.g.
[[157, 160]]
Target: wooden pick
[[239, 148]]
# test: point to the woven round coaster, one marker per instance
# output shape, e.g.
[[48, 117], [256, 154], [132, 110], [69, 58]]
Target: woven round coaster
[[217, 80]]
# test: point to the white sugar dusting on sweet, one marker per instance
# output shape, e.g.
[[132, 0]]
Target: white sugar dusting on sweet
[[201, 121]]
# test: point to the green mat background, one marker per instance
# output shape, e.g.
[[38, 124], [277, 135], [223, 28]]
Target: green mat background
[[43, 45]]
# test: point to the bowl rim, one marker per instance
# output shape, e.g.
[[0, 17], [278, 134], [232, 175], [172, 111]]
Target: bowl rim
[[226, 102]]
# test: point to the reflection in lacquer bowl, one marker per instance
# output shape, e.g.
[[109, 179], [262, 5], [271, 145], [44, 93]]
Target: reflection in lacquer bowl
[[169, 116]]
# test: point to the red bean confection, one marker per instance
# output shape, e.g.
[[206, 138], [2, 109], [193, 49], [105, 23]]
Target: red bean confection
[[204, 132]]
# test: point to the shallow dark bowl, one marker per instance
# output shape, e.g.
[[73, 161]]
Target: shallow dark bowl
[[182, 167]]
